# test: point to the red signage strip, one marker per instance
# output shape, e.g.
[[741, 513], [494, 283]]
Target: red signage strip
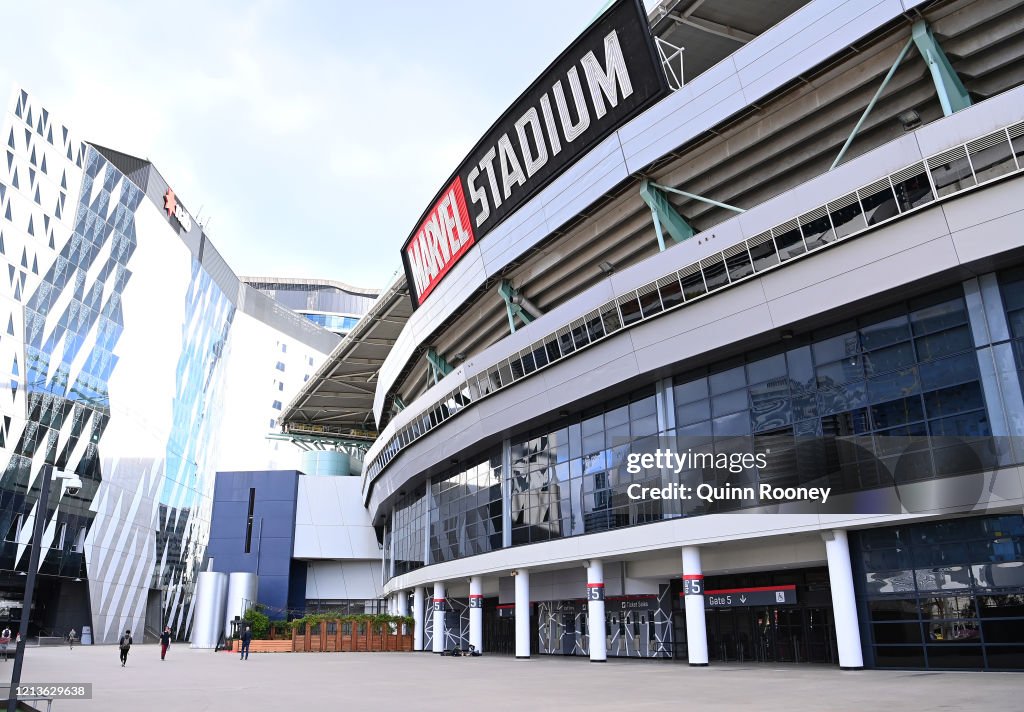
[[723, 591], [440, 240], [693, 577], [476, 595], [595, 585]]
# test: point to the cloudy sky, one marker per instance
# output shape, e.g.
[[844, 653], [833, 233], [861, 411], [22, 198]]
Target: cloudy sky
[[311, 134]]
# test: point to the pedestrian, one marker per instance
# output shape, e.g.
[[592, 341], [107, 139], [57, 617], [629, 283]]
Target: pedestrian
[[165, 642], [246, 639], [125, 644], [71, 638], [5, 641]]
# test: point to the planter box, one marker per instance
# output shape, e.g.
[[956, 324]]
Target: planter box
[[349, 636], [266, 646]]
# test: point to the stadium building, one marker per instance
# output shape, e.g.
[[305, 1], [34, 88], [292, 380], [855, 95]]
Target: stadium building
[[136, 365], [334, 306], [783, 230]]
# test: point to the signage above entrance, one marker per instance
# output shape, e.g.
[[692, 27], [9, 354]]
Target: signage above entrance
[[746, 597]]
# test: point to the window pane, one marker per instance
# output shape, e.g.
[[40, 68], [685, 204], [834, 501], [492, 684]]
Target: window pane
[[671, 293], [817, 229], [739, 265], [693, 285], [912, 190], [991, 156], [762, 250], [714, 273], [847, 216], [951, 172], [788, 240], [879, 201]]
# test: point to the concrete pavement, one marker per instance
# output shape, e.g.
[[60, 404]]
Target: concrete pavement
[[200, 680]]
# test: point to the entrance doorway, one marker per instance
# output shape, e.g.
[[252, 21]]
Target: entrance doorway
[[801, 630], [771, 634]]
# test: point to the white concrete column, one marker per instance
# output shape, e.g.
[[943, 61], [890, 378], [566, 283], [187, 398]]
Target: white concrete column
[[440, 604], [522, 577], [844, 603], [418, 595], [595, 611], [693, 598], [391, 605], [476, 612], [403, 604]]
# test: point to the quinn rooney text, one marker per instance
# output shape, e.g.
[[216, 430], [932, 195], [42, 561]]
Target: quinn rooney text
[[710, 493]]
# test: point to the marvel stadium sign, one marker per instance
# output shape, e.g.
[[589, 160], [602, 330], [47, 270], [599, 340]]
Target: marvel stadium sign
[[606, 77]]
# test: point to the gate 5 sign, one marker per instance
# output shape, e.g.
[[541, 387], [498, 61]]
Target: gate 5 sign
[[606, 77], [747, 597], [595, 591]]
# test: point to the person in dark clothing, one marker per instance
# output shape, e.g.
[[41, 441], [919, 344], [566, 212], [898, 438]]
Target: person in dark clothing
[[124, 645], [165, 642], [246, 639]]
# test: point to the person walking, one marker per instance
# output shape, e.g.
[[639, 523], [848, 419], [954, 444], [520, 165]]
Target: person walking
[[124, 645], [246, 639], [165, 642], [5, 641], [71, 638]]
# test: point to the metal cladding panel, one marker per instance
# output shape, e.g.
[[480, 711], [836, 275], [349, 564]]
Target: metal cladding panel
[[241, 594], [210, 601]]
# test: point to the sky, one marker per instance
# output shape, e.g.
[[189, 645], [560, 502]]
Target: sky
[[308, 136]]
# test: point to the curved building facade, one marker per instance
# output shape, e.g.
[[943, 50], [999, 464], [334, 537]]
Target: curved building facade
[[738, 381]]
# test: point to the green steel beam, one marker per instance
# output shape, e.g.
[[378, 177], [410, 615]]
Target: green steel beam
[[871, 104], [397, 401], [666, 218], [952, 94], [439, 366], [510, 294]]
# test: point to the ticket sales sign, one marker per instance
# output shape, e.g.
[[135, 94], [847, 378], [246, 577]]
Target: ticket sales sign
[[745, 597], [607, 76]]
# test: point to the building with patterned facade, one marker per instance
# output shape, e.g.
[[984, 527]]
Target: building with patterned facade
[[787, 230], [136, 365]]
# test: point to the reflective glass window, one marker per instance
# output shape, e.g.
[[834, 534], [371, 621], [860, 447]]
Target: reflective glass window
[[991, 156], [951, 171]]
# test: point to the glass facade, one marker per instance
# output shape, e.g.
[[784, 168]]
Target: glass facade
[[888, 398], [865, 403], [333, 322], [568, 480], [944, 594]]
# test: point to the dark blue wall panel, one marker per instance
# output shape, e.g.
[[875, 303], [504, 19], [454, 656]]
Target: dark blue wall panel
[[273, 531]]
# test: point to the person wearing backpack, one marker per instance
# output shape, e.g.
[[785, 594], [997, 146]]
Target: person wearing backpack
[[125, 644]]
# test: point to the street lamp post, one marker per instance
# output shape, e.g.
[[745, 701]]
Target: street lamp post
[[30, 584]]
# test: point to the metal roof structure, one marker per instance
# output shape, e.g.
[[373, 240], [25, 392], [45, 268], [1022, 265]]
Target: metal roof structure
[[338, 400]]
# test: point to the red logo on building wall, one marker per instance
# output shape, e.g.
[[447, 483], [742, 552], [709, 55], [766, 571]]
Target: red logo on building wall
[[441, 239], [169, 202]]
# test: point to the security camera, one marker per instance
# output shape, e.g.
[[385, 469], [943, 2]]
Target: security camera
[[73, 485]]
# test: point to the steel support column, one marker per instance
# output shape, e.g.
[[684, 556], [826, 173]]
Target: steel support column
[[516, 305], [952, 94], [439, 366], [666, 218]]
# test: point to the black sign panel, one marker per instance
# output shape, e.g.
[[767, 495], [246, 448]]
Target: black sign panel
[[607, 76], [746, 597]]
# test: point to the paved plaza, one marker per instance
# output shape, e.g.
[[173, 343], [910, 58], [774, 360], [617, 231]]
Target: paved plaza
[[199, 680]]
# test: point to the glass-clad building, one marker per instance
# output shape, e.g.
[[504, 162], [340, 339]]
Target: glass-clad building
[[130, 352]]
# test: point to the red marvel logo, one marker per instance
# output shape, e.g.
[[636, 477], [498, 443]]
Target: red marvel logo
[[441, 239]]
